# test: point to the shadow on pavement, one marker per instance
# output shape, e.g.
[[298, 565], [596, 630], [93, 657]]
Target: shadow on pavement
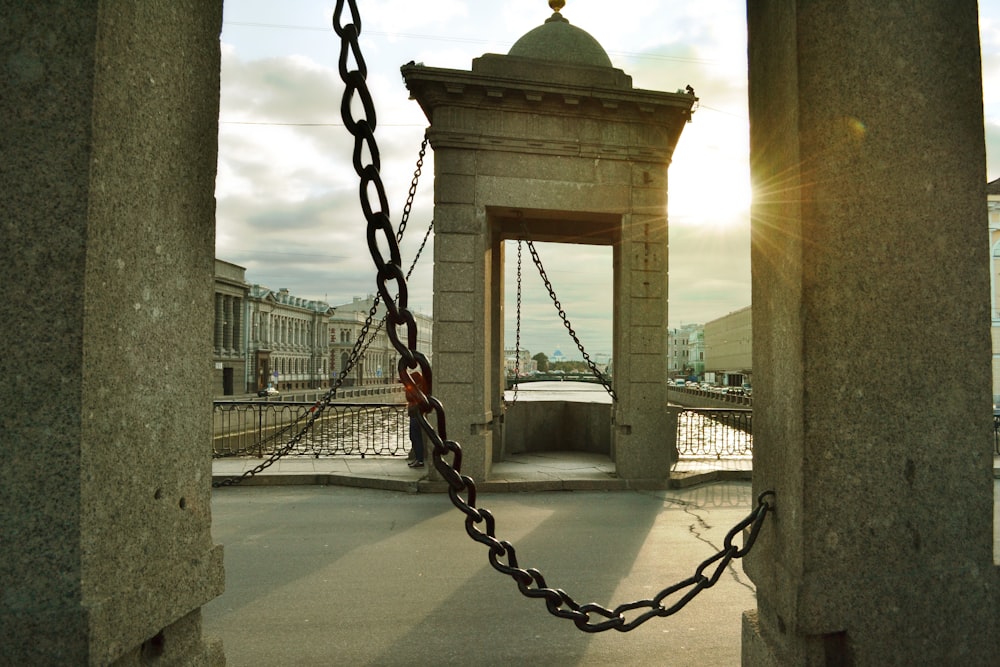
[[341, 576]]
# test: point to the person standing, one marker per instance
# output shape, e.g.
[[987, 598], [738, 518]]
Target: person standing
[[416, 455]]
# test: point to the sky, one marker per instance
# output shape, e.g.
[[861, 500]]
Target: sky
[[287, 193]]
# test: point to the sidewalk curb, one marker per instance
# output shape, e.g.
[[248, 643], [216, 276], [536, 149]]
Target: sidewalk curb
[[677, 481]]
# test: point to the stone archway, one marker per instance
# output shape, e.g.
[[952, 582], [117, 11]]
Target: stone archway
[[552, 142]]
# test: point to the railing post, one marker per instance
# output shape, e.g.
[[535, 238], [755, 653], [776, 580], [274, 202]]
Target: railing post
[[260, 430]]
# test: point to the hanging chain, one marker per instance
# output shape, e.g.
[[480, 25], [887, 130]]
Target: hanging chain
[[404, 219], [408, 206], [517, 337], [569, 327], [462, 488]]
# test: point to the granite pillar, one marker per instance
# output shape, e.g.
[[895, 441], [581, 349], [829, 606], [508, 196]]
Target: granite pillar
[[871, 336], [107, 202]]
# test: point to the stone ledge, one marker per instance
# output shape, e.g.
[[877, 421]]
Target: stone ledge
[[683, 480]]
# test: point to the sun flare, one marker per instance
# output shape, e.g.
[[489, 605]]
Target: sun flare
[[698, 201]]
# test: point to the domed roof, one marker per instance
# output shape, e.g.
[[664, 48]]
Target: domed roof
[[558, 41]]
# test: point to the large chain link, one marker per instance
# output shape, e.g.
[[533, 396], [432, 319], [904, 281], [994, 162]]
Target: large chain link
[[479, 523]]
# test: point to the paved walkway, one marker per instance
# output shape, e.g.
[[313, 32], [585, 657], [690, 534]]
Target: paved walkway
[[336, 575], [323, 571], [541, 471]]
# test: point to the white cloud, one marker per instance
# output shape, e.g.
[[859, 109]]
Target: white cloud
[[287, 193]]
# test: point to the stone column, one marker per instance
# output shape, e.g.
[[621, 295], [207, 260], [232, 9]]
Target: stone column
[[462, 313], [227, 325], [107, 198], [239, 338], [871, 337], [220, 323], [644, 431]]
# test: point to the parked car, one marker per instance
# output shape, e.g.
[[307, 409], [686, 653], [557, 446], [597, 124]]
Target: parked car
[[268, 391]]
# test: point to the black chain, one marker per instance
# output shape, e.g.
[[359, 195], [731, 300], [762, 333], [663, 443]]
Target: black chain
[[462, 488], [404, 219], [408, 206], [569, 327], [517, 344]]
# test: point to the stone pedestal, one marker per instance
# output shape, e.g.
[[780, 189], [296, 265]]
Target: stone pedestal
[[871, 337], [107, 200]]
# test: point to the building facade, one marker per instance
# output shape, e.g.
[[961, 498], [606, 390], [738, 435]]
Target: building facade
[[519, 359], [993, 208], [686, 351], [288, 340], [229, 353], [729, 348], [377, 363]]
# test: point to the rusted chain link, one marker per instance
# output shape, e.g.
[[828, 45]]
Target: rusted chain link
[[479, 523]]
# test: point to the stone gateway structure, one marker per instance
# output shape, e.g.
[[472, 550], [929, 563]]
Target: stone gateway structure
[[868, 162], [550, 143]]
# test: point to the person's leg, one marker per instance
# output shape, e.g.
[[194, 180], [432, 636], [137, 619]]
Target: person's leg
[[416, 442]]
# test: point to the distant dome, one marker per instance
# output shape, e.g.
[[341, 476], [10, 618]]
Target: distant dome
[[558, 41]]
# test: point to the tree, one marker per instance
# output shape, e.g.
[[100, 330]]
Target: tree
[[542, 360]]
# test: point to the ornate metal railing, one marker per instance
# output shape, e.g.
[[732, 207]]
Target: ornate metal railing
[[996, 434], [715, 432], [259, 428]]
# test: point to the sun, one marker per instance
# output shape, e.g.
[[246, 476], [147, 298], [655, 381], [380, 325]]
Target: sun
[[712, 198], [709, 180]]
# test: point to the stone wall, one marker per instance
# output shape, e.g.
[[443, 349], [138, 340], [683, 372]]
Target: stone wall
[[537, 426]]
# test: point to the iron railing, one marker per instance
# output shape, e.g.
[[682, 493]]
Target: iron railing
[[258, 428], [715, 433], [996, 434], [721, 394]]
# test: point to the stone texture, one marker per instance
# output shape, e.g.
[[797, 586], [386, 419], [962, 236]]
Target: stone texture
[[869, 169], [533, 426], [108, 204]]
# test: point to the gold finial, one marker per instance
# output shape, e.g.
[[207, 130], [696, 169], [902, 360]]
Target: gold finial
[[556, 5]]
